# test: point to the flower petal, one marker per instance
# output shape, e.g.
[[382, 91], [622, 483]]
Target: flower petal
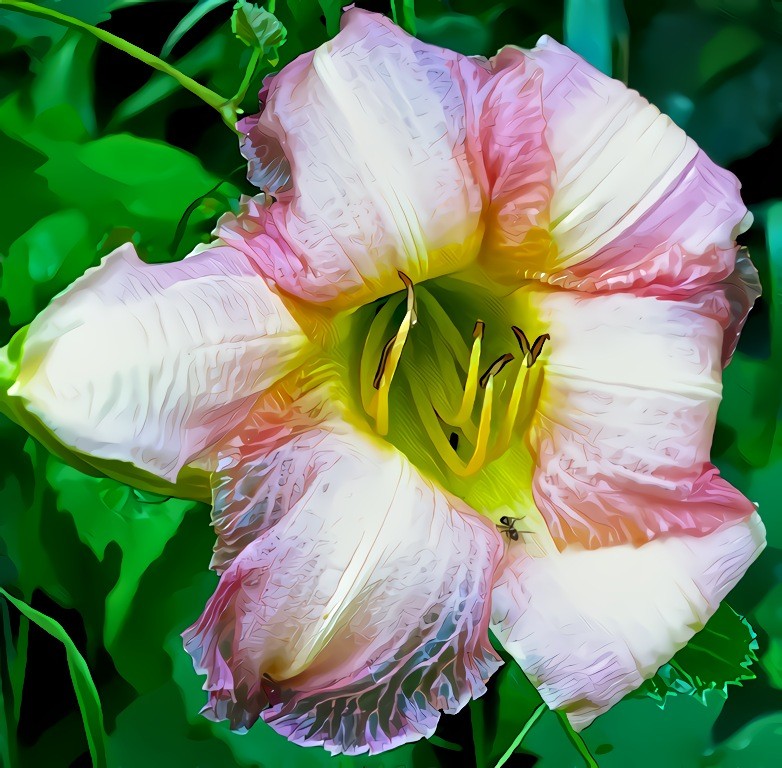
[[153, 363], [519, 165], [636, 203], [376, 176], [356, 614], [589, 626], [625, 419]]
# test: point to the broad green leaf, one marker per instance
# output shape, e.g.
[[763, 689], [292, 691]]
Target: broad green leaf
[[729, 47], [65, 76], [597, 30], [132, 182], [332, 10], [403, 13], [105, 511], [757, 745], [43, 261], [718, 656], [86, 692]]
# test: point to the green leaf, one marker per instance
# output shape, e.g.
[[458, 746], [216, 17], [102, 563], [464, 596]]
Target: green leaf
[[403, 13], [332, 10], [196, 13], [43, 261], [105, 511], [598, 31], [503, 712], [83, 685], [132, 182], [258, 28], [756, 745], [718, 656]]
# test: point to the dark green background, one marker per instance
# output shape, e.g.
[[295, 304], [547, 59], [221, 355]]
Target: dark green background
[[96, 150]]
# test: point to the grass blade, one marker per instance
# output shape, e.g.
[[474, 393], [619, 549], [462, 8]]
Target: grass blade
[[86, 692]]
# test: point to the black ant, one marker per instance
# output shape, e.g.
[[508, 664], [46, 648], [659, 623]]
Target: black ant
[[508, 526]]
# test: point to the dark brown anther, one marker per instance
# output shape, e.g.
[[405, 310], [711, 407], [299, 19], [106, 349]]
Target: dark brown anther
[[536, 349], [453, 440], [477, 331], [494, 369], [411, 298], [522, 339], [381, 366]]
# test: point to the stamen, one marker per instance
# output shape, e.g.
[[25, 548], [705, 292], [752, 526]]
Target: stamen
[[536, 349], [524, 383], [381, 366], [509, 420], [478, 457], [471, 385], [443, 445], [531, 353], [495, 368], [377, 331], [389, 360], [522, 339]]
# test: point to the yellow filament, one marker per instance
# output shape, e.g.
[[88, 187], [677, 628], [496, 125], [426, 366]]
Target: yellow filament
[[433, 429], [478, 457], [470, 386], [509, 420], [372, 346], [438, 438], [379, 406]]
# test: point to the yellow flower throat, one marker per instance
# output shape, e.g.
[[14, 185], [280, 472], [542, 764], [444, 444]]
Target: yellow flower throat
[[469, 411]]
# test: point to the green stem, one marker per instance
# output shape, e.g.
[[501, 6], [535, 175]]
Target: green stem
[[577, 741], [224, 107], [252, 65], [533, 718], [444, 744]]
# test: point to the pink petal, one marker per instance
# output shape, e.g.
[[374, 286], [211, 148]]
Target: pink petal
[[590, 626], [636, 204], [356, 614], [152, 363], [623, 431], [373, 127], [519, 166]]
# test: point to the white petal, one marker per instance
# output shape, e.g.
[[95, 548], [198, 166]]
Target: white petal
[[360, 607], [151, 364], [588, 626]]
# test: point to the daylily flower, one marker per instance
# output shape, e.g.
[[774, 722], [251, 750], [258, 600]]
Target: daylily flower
[[455, 368]]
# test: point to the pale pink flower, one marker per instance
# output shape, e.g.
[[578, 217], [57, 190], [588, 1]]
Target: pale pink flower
[[379, 505]]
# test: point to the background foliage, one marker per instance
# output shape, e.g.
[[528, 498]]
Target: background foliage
[[97, 149]]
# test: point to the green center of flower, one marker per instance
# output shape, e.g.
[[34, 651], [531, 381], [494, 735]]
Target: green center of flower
[[448, 378]]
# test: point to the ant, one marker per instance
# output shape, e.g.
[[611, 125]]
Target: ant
[[508, 526]]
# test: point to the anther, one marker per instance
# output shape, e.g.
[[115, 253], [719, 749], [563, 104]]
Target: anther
[[381, 366], [522, 339], [536, 349], [495, 368], [389, 359], [530, 352]]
